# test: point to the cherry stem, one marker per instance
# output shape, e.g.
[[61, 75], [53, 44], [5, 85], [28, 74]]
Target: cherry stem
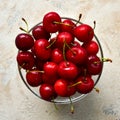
[[78, 19], [106, 60], [25, 30], [94, 25], [97, 90], [35, 71], [55, 22], [103, 60], [64, 45], [75, 84], [85, 72], [55, 104], [71, 106], [70, 48], [51, 44]]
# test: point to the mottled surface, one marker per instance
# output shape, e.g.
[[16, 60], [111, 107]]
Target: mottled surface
[[17, 102]]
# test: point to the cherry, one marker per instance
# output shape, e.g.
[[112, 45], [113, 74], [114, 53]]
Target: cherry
[[76, 55], [56, 56], [84, 84], [34, 78], [67, 26], [39, 64], [39, 32], [41, 49], [61, 87], [84, 32], [25, 60], [67, 70], [94, 65], [71, 90], [50, 68], [47, 92], [24, 41], [62, 38], [49, 79], [49, 22], [91, 47]]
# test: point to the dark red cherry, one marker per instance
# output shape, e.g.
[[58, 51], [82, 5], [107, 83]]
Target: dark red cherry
[[24, 41]]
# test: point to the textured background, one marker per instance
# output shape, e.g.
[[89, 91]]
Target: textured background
[[17, 102]]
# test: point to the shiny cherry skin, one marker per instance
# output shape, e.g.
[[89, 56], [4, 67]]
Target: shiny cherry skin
[[84, 33], [24, 41], [39, 32], [47, 92], [34, 78], [50, 68], [77, 55], [25, 60], [67, 26], [49, 79], [85, 84], [91, 47], [71, 90], [49, 22], [94, 65], [63, 37], [61, 87], [57, 56], [67, 70], [41, 50]]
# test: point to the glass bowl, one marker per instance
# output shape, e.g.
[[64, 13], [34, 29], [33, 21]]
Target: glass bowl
[[63, 100]]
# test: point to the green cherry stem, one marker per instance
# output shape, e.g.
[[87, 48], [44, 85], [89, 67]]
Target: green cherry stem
[[106, 60], [75, 84], [103, 60], [27, 29], [51, 44], [54, 104], [71, 106], [35, 71], [64, 45], [70, 48], [55, 22]]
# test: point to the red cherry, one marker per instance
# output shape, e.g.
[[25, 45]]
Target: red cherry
[[25, 60], [77, 55], [84, 33], [71, 90], [62, 38], [39, 32], [91, 47], [39, 64], [41, 50], [34, 78], [94, 65], [50, 68], [47, 92], [67, 26], [24, 41], [61, 87], [56, 56], [85, 84], [67, 70], [49, 22], [49, 79]]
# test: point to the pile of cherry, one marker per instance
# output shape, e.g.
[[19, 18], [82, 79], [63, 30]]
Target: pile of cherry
[[59, 56]]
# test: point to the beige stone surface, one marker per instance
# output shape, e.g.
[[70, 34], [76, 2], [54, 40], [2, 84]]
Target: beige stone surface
[[17, 102]]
